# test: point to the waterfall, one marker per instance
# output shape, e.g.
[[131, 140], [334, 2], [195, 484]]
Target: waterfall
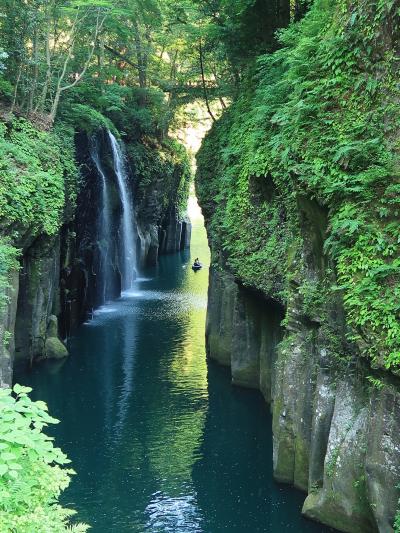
[[104, 224], [128, 252]]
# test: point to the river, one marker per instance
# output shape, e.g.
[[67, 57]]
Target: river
[[160, 439]]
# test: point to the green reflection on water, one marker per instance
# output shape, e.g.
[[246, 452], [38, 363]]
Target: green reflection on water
[[186, 372], [161, 442]]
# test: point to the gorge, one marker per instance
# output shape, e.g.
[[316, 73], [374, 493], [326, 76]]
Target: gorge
[[155, 420], [262, 392]]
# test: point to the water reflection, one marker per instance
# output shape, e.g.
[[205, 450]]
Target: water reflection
[[173, 514], [161, 443]]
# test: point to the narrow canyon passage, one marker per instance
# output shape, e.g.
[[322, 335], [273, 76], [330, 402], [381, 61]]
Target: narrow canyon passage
[[162, 442], [200, 398]]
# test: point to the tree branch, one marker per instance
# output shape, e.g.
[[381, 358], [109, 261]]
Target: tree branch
[[204, 82], [121, 56]]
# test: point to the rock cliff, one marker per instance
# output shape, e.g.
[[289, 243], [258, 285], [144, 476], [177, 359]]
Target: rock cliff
[[37, 192], [335, 435], [159, 188], [303, 302], [51, 238]]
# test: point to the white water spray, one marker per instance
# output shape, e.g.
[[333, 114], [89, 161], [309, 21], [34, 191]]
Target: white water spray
[[104, 225], [128, 220]]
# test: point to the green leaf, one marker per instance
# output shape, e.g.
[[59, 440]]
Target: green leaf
[[20, 389]]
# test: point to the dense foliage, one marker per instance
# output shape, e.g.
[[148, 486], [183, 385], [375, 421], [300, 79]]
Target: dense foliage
[[31, 468], [317, 119], [33, 177], [162, 166], [133, 56], [38, 185]]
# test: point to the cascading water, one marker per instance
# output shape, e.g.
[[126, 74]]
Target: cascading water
[[128, 252], [104, 223]]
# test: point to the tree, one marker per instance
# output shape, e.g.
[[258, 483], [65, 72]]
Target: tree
[[189, 50], [50, 45], [73, 33]]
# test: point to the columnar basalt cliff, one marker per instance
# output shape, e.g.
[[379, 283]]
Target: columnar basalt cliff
[[161, 184], [161, 225], [61, 253], [37, 191], [297, 183], [335, 436]]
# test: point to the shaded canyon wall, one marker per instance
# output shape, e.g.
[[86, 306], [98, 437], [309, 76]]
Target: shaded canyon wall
[[335, 436], [303, 223], [59, 280]]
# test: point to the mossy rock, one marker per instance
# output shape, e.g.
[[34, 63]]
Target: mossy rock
[[55, 349], [52, 327]]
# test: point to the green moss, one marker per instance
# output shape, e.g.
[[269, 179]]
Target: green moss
[[55, 349], [164, 166], [330, 468], [302, 461], [38, 183], [313, 120], [33, 176], [86, 118]]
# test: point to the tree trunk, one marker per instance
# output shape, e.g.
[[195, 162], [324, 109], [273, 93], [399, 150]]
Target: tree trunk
[[283, 13], [42, 100], [54, 105], [140, 57], [14, 100], [204, 82], [32, 92]]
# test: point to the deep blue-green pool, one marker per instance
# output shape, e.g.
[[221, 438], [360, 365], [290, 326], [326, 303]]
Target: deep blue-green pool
[[160, 440]]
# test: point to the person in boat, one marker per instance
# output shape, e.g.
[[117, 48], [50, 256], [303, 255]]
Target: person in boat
[[197, 262]]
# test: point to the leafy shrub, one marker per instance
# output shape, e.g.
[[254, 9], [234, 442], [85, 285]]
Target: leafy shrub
[[31, 468], [164, 167], [6, 89], [84, 117], [132, 111], [397, 523], [33, 178], [38, 186]]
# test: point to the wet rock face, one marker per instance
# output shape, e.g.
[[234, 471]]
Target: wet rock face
[[168, 235], [159, 228], [174, 232], [222, 294], [242, 331], [335, 435], [37, 297], [54, 348], [82, 283], [342, 499], [7, 326], [382, 459], [28, 324]]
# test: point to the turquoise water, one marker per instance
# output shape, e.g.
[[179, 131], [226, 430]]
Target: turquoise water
[[160, 440]]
